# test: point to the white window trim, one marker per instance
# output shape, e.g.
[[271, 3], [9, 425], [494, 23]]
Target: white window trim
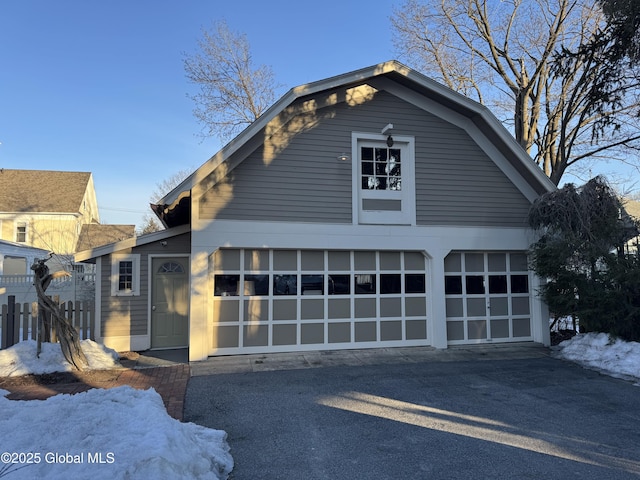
[[115, 275], [408, 214], [17, 224]]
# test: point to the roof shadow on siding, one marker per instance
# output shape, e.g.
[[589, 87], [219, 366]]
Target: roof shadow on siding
[[286, 175]]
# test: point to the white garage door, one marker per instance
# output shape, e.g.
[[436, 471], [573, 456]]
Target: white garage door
[[488, 297], [289, 300]]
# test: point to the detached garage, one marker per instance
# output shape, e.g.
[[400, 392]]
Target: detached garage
[[373, 209]]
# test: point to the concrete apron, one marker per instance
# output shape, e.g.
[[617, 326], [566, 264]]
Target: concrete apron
[[372, 356]]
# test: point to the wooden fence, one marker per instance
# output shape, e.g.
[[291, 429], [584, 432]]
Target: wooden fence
[[25, 321]]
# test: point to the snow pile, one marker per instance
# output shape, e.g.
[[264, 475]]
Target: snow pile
[[21, 358], [106, 434], [613, 357]]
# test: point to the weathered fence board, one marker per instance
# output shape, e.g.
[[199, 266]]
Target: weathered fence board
[[25, 321]]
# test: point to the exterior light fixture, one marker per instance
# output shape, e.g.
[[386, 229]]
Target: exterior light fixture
[[386, 129], [344, 157]]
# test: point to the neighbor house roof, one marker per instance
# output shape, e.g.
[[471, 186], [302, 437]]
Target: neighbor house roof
[[173, 208], [90, 254], [13, 247], [42, 191], [95, 235]]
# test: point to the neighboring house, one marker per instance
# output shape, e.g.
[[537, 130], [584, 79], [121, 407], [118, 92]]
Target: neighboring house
[[16, 259], [49, 212], [46, 209], [373, 209], [632, 208], [16, 276]]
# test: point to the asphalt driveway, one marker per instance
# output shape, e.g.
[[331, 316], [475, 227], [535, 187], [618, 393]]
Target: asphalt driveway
[[502, 413]]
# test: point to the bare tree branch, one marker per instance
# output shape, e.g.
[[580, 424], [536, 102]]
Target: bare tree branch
[[232, 92], [502, 54]]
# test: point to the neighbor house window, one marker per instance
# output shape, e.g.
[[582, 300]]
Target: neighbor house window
[[21, 232], [125, 275]]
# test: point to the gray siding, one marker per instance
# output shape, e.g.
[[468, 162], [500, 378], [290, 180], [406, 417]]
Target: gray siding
[[124, 316], [304, 183], [456, 183]]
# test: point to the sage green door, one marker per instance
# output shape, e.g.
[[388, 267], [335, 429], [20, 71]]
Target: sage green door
[[170, 303]]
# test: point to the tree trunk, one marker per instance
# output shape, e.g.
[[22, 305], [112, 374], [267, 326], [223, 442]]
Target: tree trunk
[[67, 335]]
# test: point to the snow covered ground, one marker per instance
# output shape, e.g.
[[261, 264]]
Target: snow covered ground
[[598, 351], [21, 358], [99, 434], [127, 433]]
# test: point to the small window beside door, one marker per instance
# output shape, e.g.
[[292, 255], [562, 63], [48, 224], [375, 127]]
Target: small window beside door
[[125, 275]]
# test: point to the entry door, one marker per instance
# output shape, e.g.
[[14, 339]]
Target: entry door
[[170, 303], [487, 297]]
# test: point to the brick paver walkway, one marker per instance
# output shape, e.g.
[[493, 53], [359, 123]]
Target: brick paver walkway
[[170, 382]]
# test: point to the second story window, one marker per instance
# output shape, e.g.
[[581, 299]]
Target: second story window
[[21, 232]]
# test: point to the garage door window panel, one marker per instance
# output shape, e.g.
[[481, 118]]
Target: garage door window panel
[[453, 285], [519, 284], [339, 284], [256, 285], [365, 283], [285, 284], [390, 283], [312, 285], [474, 284], [415, 283], [226, 285]]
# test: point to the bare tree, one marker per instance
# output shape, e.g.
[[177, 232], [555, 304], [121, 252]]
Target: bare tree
[[67, 335], [232, 92], [501, 54], [615, 49], [149, 224]]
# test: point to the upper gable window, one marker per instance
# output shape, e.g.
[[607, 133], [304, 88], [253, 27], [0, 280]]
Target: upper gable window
[[381, 168], [384, 179]]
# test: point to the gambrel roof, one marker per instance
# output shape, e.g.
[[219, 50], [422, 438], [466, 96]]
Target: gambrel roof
[[42, 191], [174, 208]]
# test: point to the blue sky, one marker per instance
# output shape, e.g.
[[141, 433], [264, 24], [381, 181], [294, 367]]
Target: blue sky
[[100, 86]]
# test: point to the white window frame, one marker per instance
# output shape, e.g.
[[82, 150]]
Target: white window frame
[[115, 275], [407, 196], [19, 224]]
